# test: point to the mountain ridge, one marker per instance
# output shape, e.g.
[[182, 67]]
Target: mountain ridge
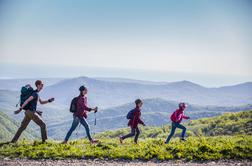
[[110, 93]]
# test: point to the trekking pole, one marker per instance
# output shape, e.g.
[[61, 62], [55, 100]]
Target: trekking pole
[[94, 121]]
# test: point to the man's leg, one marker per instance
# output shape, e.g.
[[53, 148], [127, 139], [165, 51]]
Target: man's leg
[[183, 128], [131, 134], [137, 135], [171, 134], [39, 121], [85, 124], [73, 127], [23, 126]]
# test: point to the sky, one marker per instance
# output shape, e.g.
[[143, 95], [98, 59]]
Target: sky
[[207, 41]]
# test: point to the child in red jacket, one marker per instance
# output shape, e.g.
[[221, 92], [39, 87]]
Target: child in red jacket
[[176, 119], [134, 121]]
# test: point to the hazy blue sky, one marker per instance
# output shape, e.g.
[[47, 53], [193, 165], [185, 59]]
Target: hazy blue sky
[[210, 37]]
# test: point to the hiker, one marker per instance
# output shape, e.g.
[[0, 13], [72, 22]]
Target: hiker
[[134, 120], [176, 119], [79, 109], [31, 113]]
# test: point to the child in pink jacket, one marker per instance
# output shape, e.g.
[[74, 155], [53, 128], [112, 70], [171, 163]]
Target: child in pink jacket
[[176, 119]]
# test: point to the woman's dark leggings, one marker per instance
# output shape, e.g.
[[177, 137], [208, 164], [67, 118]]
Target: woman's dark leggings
[[134, 132], [174, 126]]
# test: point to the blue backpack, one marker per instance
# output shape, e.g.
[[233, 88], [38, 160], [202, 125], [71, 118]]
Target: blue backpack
[[130, 114]]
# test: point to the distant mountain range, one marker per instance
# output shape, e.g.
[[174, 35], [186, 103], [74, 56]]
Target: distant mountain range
[[16, 84], [109, 93]]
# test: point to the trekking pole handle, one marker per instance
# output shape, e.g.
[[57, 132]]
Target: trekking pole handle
[[95, 109]]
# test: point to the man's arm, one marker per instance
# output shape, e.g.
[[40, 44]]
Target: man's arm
[[46, 101], [24, 104]]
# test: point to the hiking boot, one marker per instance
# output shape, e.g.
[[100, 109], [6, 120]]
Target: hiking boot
[[93, 141], [121, 140], [64, 142], [183, 139]]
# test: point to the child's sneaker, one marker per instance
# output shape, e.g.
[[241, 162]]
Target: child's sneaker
[[94, 141], [121, 140]]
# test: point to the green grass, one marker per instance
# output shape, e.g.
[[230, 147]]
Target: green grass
[[196, 148], [226, 124], [224, 137]]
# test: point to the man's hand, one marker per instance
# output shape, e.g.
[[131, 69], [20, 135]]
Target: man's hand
[[95, 109], [17, 111], [51, 100]]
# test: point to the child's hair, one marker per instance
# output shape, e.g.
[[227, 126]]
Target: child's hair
[[182, 105], [138, 101]]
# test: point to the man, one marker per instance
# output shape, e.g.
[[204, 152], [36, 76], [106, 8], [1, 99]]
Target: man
[[30, 107]]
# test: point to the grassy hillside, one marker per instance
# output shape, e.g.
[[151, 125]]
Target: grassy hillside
[[8, 127], [227, 124], [236, 145]]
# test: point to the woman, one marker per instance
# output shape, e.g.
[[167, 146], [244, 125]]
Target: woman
[[80, 115]]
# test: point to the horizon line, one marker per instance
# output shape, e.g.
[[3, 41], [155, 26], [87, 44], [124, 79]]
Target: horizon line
[[138, 81]]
